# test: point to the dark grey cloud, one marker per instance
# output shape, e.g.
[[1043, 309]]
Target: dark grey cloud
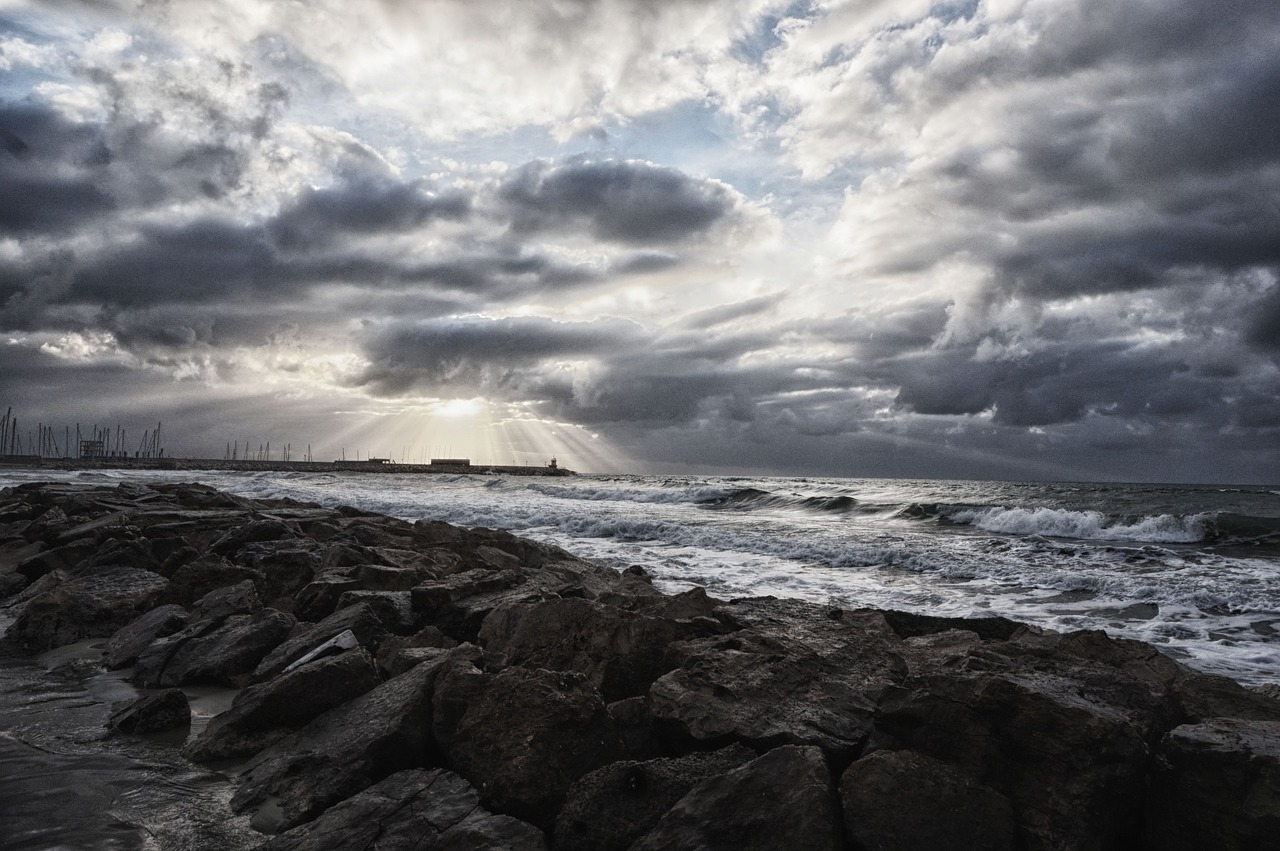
[[621, 201], [1263, 325], [465, 353], [51, 171], [363, 206]]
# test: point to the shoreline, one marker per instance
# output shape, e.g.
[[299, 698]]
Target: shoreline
[[219, 465], [391, 673]]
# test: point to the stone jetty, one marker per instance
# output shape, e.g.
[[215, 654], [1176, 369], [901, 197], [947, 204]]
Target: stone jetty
[[414, 685]]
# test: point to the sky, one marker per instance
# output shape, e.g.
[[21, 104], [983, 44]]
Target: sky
[[1015, 239]]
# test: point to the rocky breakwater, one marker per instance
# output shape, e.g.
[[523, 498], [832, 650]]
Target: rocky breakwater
[[417, 685]]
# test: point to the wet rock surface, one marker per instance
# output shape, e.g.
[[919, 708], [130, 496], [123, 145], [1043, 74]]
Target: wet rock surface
[[418, 685]]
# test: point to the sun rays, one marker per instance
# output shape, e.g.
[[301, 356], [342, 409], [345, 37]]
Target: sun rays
[[483, 431]]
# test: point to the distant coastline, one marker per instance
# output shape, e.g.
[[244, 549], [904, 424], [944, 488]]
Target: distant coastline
[[224, 465]]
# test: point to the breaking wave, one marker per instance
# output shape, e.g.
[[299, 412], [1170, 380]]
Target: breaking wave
[[1086, 525]]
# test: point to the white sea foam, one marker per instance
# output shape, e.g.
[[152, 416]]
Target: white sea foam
[[1085, 525]]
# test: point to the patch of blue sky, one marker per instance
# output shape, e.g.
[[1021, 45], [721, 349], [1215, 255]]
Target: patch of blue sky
[[764, 37]]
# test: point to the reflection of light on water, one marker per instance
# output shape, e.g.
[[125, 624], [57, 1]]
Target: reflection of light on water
[[485, 432]]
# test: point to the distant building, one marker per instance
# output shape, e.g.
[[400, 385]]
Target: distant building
[[93, 449]]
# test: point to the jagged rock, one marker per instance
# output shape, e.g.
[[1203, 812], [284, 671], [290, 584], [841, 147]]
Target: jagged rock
[[523, 736], [622, 652], [238, 599], [780, 800], [94, 605], [133, 638], [11, 583], [122, 552], [901, 801], [286, 566], [399, 653], [47, 525], [635, 727], [612, 807], [378, 577], [343, 641], [319, 599], [394, 608], [782, 680], [414, 810], [1071, 763], [151, 713], [360, 619], [195, 579], [250, 533], [1217, 785], [263, 714], [182, 555], [213, 650], [65, 558], [344, 750], [908, 625], [459, 603]]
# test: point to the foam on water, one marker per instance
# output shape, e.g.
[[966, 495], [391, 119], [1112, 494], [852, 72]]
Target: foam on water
[[1085, 525]]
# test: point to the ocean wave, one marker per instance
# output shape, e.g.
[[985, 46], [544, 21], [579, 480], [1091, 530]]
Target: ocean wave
[[1086, 525], [709, 497]]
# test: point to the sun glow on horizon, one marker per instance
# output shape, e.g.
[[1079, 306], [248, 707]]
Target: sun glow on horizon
[[485, 432]]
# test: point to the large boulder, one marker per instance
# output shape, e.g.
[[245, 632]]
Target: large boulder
[[263, 714], [1217, 785], [612, 807], [413, 810], [781, 679], [345, 750], [254, 531], [1072, 763], [783, 799], [902, 801], [523, 736], [151, 713], [195, 579], [238, 599], [621, 651], [361, 619], [133, 638], [215, 650], [93, 605]]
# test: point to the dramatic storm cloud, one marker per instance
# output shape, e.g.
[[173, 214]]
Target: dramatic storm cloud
[[1015, 238]]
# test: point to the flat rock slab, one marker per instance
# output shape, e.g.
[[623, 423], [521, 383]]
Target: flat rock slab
[[265, 713], [136, 636], [345, 750], [415, 810], [214, 650], [361, 620]]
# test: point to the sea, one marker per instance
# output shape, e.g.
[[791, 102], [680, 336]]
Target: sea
[[1192, 569]]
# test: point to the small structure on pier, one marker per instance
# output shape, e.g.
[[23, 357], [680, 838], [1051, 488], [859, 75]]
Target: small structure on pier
[[552, 465], [92, 449], [450, 462]]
